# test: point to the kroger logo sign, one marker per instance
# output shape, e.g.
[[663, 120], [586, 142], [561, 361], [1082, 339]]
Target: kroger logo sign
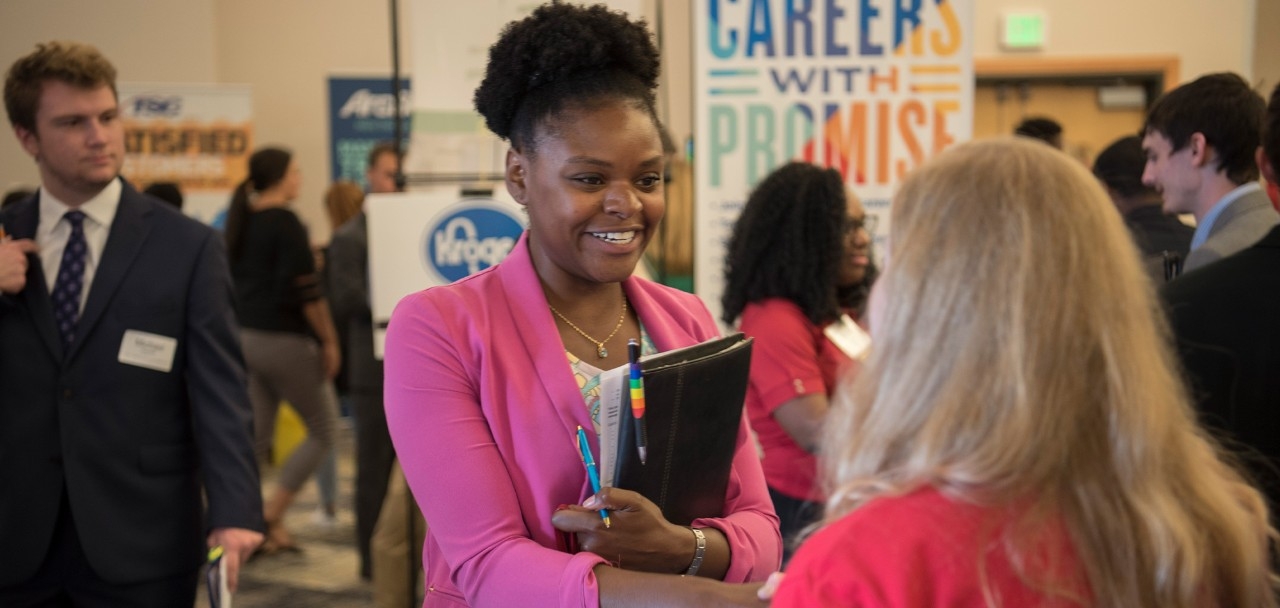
[[470, 239]]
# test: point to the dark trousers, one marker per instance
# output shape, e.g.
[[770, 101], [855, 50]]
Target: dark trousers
[[374, 456], [793, 515], [66, 579]]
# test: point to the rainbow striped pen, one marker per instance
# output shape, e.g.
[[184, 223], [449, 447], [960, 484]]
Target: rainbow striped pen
[[584, 450], [637, 398]]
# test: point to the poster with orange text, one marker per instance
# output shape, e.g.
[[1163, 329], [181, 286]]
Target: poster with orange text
[[871, 88], [195, 135]]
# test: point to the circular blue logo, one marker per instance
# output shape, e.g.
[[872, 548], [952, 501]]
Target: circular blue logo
[[477, 234]]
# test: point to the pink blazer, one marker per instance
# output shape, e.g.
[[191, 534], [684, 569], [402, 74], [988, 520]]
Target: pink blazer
[[482, 406]]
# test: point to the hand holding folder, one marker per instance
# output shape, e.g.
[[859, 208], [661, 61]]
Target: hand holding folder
[[216, 579], [693, 411]]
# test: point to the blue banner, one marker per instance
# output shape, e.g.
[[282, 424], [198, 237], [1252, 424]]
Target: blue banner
[[361, 114]]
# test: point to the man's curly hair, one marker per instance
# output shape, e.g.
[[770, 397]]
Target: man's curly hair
[[787, 244], [561, 56], [76, 64]]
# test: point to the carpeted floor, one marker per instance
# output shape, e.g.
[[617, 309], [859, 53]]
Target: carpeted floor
[[325, 573]]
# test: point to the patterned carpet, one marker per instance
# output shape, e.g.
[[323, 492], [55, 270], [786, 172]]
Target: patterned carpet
[[325, 574]]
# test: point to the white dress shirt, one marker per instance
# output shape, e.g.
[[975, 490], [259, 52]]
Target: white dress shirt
[[54, 231]]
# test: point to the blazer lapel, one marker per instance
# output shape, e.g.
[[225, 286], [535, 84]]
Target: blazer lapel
[[1249, 203], [537, 332], [128, 231], [664, 334], [35, 297]]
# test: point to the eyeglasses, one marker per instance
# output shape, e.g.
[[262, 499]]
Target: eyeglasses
[[866, 222]]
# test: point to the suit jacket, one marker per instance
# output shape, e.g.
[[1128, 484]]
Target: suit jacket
[[129, 447], [1154, 232], [482, 406], [1240, 225], [348, 288], [1227, 326]]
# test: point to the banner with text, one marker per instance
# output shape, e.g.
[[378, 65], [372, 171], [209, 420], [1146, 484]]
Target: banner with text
[[196, 136], [362, 115], [869, 87]]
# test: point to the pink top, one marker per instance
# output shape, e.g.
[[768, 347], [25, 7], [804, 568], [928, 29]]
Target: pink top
[[790, 358], [923, 550], [482, 406]]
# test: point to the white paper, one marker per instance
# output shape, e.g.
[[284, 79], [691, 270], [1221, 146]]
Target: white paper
[[612, 384]]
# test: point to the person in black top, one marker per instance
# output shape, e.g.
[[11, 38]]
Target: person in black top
[[168, 192], [1042, 128], [290, 344], [1119, 167]]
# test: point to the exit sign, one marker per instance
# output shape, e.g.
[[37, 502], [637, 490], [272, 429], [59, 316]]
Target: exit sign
[[1023, 31]]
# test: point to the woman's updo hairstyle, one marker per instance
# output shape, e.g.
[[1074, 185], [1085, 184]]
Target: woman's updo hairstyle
[[564, 55]]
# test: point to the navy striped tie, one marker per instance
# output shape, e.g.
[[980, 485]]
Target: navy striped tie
[[70, 282]]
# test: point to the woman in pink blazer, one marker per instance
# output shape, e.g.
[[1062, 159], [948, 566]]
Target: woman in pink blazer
[[482, 391]]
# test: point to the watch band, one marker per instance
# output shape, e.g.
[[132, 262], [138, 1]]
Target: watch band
[[699, 552]]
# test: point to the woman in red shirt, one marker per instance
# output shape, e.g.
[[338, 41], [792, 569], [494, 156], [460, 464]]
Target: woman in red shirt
[[1020, 436], [798, 270]]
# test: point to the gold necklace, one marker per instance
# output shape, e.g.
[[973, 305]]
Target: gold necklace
[[601, 351]]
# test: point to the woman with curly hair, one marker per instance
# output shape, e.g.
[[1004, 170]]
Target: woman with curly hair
[[488, 378], [797, 273], [1020, 435]]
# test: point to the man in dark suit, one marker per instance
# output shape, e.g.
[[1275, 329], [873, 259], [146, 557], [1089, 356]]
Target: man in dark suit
[[123, 380], [1199, 140], [1228, 330], [349, 294]]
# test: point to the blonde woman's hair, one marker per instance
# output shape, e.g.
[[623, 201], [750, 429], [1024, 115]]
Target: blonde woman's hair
[[1021, 355], [343, 201]]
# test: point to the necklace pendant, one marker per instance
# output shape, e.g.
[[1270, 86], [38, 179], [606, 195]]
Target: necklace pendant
[[602, 351]]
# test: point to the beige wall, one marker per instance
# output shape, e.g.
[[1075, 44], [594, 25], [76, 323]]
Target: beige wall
[[287, 48], [1207, 36], [148, 41], [1266, 53]]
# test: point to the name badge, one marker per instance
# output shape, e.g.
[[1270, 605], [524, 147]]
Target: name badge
[[151, 351], [849, 337]]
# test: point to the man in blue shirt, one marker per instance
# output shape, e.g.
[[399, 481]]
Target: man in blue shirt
[[1200, 140], [1226, 324]]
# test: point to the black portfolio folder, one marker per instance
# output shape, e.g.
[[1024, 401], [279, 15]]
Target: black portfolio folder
[[693, 410]]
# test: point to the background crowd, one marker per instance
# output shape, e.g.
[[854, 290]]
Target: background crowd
[[1051, 391]]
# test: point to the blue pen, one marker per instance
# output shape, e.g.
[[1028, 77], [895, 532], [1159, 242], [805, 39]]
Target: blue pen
[[584, 450]]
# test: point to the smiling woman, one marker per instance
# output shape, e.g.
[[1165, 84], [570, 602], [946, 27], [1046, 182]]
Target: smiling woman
[[594, 196], [494, 373]]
